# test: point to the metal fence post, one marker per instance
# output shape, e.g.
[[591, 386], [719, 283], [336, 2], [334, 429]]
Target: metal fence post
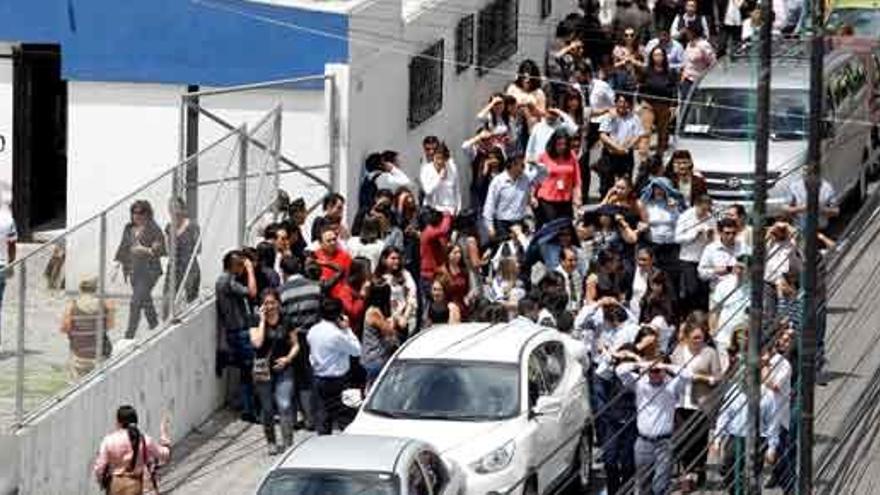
[[276, 153], [19, 362], [242, 183], [334, 134], [170, 296], [102, 286]]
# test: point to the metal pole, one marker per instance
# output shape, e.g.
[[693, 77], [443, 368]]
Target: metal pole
[[242, 184], [811, 253], [102, 286], [192, 151], [19, 352], [333, 111], [171, 294], [276, 152], [754, 460]]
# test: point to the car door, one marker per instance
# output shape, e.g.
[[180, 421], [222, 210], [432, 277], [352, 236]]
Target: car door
[[562, 383], [543, 382]]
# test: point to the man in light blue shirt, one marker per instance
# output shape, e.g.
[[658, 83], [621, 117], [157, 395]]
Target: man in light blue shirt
[[555, 119], [331, 345], [508, 196], [674, 50]]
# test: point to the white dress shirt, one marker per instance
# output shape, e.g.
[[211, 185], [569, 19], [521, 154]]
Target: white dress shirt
[[596, 335], [655, 403], [330, 348], [731, 298], [687, 233], [717, 255], [574, 288], [441, 193]]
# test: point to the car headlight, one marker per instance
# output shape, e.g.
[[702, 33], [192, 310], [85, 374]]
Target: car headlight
[[496, 460]]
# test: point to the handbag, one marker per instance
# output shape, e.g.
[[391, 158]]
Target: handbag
[[261, 372]]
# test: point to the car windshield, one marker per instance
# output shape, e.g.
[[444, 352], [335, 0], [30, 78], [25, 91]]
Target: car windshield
[[728, 113], [447, 390], [865, 22], [298, 482]]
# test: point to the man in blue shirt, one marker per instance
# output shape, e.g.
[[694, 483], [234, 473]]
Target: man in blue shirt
[[508, 197]]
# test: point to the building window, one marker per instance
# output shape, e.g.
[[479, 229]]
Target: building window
[[546, 8], [425, 84], [497, 37], [464, 43]]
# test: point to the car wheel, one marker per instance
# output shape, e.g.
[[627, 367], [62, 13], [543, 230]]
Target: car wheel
[[583, 460]]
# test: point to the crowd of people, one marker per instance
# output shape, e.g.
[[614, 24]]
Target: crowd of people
[[649, 273]]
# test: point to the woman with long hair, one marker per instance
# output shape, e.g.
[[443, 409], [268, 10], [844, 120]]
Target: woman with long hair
[[663, 204], [442, 309], [139, 253], [275, 347], [658, 86], [381, 334], [507, 288], [402, 286], [559, 194], [526, 88], [455, 268], [626, 57], [693, 416], [659, 301], [127, 457]]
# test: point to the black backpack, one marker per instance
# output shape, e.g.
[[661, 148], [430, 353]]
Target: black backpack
[[368, 190]]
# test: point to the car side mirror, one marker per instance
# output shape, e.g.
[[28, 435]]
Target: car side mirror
[[547, 406]]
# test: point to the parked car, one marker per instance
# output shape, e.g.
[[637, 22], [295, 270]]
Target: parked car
[[717, 124], [506, 402], [361, 465]]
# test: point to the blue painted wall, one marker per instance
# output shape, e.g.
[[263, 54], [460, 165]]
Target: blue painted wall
[[176, 41]]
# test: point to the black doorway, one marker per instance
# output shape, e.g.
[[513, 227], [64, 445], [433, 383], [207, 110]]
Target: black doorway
[[39, 162]]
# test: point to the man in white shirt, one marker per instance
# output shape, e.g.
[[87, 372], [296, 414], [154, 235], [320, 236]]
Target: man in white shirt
[[719, 257], [331, 345], [694, 230], [620, 133], [797, 202], [8, 233], [440, 182], [776, 372], [729, 306], [658, 393]]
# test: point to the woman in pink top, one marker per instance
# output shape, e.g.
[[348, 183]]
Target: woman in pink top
[[559, 194], [126, 456], [699, 57]]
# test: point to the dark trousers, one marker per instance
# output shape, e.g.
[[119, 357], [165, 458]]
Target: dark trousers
[[692, 441], [729, 39], [142, 300], [666, 259], [784, 469], [241, 354], [616, 432], [693, 292], [551, 210], [611, 167], [329, 409], [733, 465]]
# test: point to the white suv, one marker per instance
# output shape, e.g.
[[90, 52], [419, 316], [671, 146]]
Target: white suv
[[506, 402]]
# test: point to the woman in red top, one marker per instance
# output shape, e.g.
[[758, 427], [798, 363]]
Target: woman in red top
[[559, 194], [458, 286]]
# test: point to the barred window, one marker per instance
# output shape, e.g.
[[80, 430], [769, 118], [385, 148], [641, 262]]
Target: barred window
[[497, 38], [546, 8], [464, 43], [425, 84]]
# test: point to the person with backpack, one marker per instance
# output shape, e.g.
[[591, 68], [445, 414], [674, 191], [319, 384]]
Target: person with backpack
[[127, 458], [81, 323]]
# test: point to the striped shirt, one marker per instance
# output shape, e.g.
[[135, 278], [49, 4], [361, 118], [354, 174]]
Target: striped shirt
[[300, 302]]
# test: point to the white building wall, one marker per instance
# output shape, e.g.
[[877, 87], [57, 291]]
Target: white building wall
[[6, 123], [383, 36]]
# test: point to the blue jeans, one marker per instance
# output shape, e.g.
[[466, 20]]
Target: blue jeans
[[277, 394], [241, 354]]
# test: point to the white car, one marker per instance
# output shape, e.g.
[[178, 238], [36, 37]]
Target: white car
[[361, 465], [506, 402]]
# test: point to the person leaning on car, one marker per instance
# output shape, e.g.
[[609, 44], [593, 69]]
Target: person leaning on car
[[331, 344]]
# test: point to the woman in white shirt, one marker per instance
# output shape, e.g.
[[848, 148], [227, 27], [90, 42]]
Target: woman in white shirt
[[663, 204], [367, 245]]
